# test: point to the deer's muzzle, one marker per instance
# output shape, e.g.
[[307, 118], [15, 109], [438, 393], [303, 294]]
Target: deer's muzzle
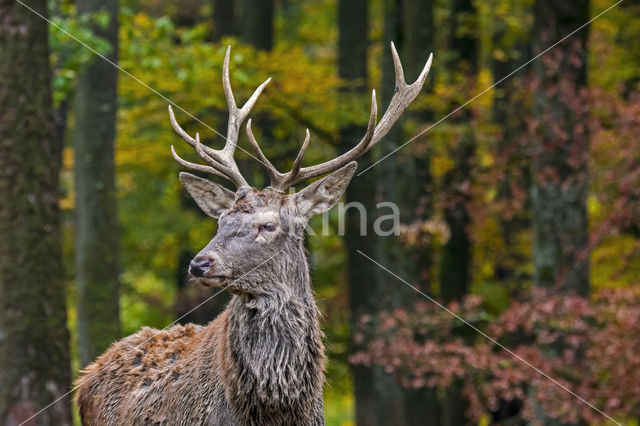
[[207, 267]]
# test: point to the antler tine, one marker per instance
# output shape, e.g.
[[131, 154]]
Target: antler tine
[[323, 168], [397, 67], [236, 115], [279, 181], [212, 158], [217, 165], [403, 96], [298, 161], [222, 163], [194, 166], [267, 165], [221, 160], [179, 130]]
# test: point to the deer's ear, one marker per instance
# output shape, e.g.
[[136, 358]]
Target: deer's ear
[[324, 193], [212, 198]]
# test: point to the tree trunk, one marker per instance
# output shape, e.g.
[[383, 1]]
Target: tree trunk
[[628, 37], [455, 278], [223, 19], [257, 30], [559, 169], [377, 397], [96, 215], [456, 256], [404, 178], [34, 342], [422, 405], [416, 37], [396, 174], [559, 175], [510, 113], [257, 23]]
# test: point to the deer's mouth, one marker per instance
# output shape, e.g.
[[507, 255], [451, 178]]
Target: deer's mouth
[[214, 280]]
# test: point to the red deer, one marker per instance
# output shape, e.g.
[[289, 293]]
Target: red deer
[[262, 361]]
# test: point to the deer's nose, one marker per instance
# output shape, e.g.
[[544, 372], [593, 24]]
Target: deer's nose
[[200, 265]]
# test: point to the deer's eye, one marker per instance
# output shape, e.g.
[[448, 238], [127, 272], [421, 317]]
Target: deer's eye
[[269, 226]]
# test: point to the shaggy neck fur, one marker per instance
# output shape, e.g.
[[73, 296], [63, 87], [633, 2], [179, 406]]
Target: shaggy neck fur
[[276, 362]]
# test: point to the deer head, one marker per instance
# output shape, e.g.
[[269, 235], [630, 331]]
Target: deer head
[[260, 233]]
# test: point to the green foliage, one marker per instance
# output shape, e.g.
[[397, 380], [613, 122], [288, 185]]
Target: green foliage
[[66, 57]]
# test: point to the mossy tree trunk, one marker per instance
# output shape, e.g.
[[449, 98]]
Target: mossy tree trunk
[[96, 216], [34, 341]]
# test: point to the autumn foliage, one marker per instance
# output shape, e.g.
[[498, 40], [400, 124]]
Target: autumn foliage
[[587, 346]]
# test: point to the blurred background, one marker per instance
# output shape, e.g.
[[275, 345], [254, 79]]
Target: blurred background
[[519, 210]]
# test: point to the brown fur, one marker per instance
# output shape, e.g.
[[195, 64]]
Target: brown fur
[[261, 362]]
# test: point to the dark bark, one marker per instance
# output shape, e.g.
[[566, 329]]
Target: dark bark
[[456, 256], [396, 175], [223, 19], [418, 42], [34, 343], [455, 278], [61, 114], [378, 398], [509, 114], [456, 253], [96, 216], [257, 23], [257, 30], [405, 179], [60, 111], [353, 42], [464, 41], [559, 175]]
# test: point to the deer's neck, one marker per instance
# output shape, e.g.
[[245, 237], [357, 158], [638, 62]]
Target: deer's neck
[[276, 356]]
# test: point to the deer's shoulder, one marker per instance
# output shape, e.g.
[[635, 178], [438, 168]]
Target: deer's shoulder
[[134, 361], [150, 348]]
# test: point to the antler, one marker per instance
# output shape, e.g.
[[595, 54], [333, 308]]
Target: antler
[[220, 161], [403, 96]]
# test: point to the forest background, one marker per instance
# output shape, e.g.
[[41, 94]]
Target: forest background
[[518, 183]]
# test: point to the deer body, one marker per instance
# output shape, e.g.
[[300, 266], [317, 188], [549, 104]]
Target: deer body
[[259, 365], [261, 362]]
